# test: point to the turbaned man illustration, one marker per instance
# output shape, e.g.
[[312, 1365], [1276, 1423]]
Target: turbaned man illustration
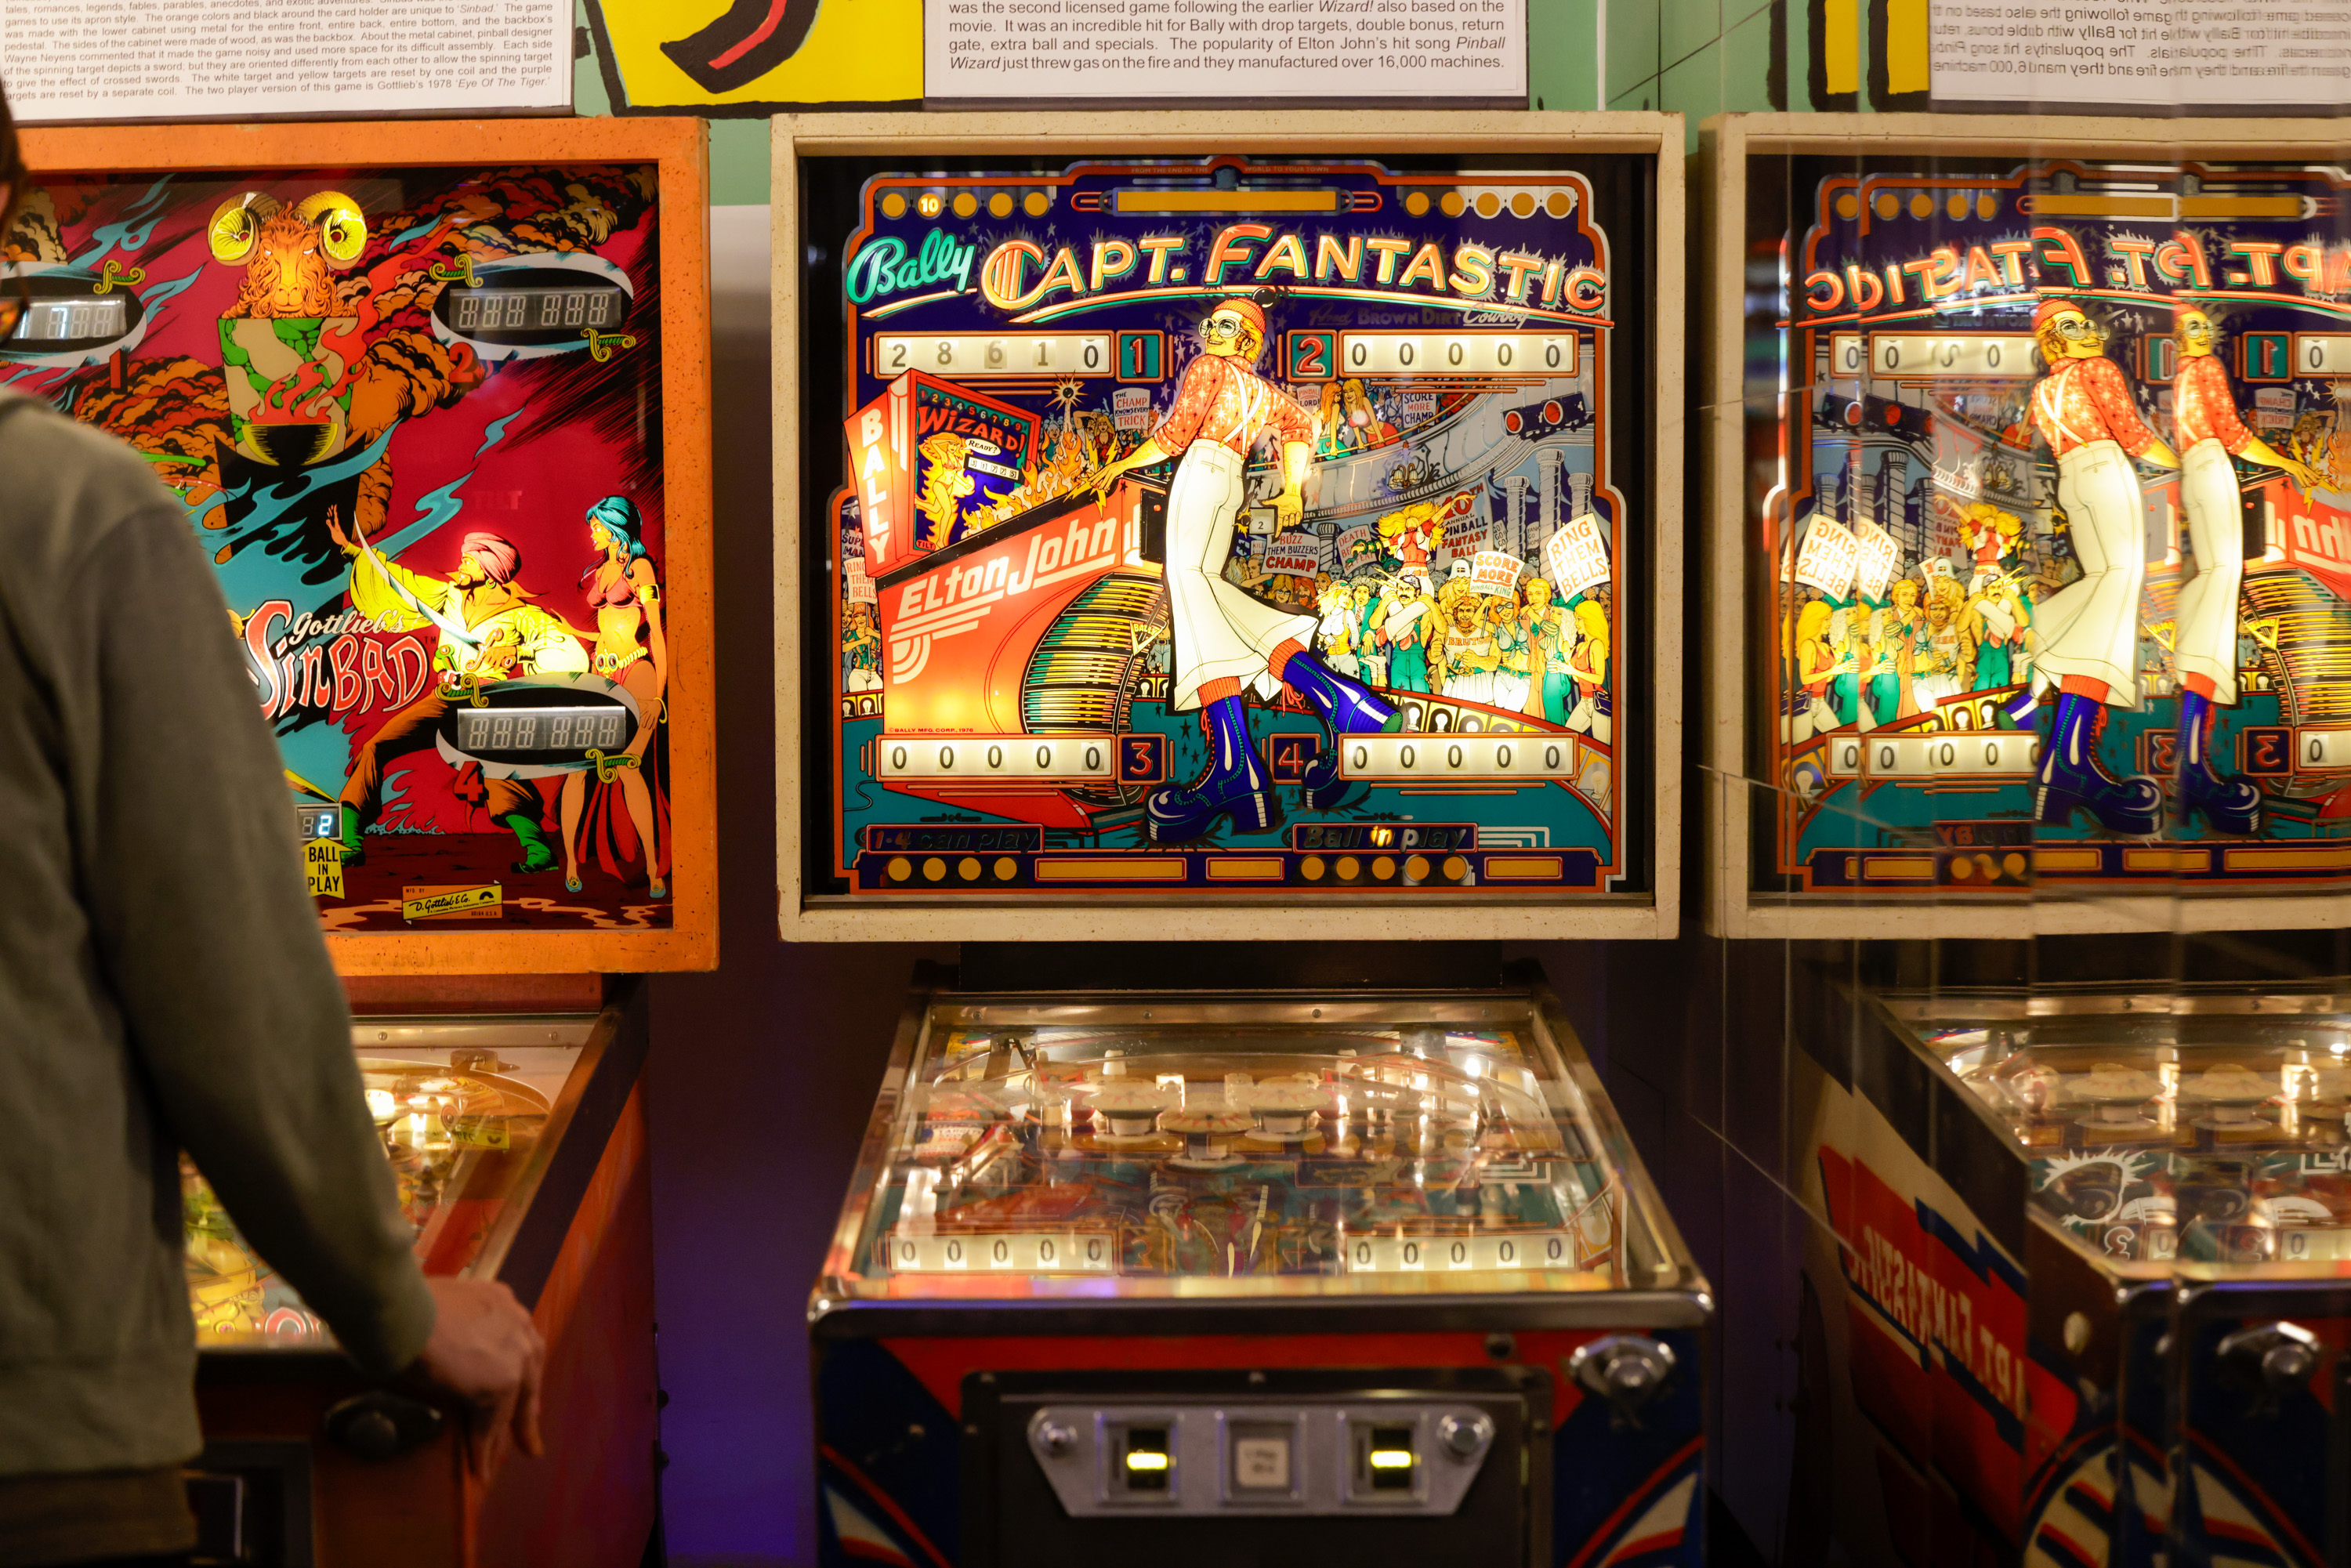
[[2089, 629], [2204, 627], [1224, 639]]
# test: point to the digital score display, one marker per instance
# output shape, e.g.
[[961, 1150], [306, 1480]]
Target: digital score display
[[64, 321], [490, 732], [995, 354], [479, 310], [1456, 353], [1973, 356]]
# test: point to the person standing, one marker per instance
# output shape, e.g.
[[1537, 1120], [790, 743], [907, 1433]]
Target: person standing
[[2089, 629], [1225, 640], [2204, 627]]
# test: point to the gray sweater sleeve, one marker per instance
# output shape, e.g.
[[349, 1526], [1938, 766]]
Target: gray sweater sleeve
[[192, 879]]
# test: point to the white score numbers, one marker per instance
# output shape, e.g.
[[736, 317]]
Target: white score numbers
[[1456, 353], [995, 354], [1975, 356]]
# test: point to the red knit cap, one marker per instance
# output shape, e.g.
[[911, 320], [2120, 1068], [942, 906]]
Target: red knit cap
[[1247, 309], [2051, 309]]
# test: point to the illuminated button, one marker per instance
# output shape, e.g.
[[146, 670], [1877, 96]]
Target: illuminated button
[[1417, 868], [900, 868], [1350, 868], [1006, 868], [934, 869], [967, 868], [1311, 868], [1144, 1459], [1455, 868], [1384, 868], [1389, 1456], [930, 203]]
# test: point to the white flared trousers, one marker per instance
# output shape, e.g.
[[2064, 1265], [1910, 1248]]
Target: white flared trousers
[[2204, 625], [1220, 629], [2090, 627]]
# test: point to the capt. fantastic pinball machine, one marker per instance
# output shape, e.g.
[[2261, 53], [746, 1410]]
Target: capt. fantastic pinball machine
[[1234, 1277], [434, 399], [2031, 519], [2081, 1298], [1168, 526]]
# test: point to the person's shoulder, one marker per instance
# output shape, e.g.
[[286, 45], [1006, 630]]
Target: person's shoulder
[[69, 487]]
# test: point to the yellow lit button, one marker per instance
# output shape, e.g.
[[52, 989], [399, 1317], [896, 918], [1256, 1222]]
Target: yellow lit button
[[967, 868], [900, 868], [934, 869]]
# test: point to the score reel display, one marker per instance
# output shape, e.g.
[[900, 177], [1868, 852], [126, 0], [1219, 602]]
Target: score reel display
[[1972, 647], [1013, 653]]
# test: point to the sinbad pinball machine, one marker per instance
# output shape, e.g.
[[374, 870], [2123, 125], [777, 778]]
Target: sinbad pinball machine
[[434, 399], [1203, 526], [2039, 509]]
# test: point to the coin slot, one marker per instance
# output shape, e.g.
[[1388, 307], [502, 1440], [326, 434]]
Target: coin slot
[[1389, 1459], [1144, 1458]]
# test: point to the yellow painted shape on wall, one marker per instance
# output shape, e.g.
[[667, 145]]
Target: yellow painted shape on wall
[[1905, 46], [856, 51], [1841, 44]]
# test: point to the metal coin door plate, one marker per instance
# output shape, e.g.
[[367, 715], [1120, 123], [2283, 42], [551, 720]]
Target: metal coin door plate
[[1417, 1457]]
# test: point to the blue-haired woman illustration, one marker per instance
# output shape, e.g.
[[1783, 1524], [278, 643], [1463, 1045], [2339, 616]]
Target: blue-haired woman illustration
[[631, 650]]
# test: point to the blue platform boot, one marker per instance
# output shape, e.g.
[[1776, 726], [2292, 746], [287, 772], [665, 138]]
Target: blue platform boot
[[1347, 707], [2229, 803], [1235, 784], [2070, 779]]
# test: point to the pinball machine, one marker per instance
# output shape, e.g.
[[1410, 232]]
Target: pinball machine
[[1188, 538], [2086, 1301], [2029, 478], [1229, 1276], [1085, 420], [435, 397]]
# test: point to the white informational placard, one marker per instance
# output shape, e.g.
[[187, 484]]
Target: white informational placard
[[2203, 54], [1495, 572], [1576, 556], [1879, 559], [74, 60], [1228, 50], [1828, 558]]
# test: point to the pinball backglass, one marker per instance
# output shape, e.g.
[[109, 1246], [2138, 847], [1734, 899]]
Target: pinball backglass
[[439, 418], [2030, 526], [1179, 525]]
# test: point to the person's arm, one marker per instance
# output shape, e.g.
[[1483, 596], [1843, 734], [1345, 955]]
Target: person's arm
[[649, 599], [2104, 382], [209, 945]]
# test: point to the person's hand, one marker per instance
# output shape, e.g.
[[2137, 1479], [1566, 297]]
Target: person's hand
[[1103, 477], [2300, 474], [1289, 507], [485, 1350], [346, 542]]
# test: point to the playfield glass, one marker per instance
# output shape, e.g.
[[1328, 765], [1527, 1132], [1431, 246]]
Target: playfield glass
[[464, 1112], [1230, 526], [1184, 1150], [2194, 1139], [2049, 466]]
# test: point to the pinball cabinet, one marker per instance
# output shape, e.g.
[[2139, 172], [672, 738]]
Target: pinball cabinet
[[434, 397], [1220, 537], [2029, 485]]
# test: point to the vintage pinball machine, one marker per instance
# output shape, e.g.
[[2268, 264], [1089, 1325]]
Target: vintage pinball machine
[[435, 397], [1229, 1276], [1243, 540], [2028, 489], [2085, 1299], [1188, 537]]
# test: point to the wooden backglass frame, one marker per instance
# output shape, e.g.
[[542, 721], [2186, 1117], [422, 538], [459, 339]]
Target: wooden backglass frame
[[1732, 905], [680, 150], [804, 918]]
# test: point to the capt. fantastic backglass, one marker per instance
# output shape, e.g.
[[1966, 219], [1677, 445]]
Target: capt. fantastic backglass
[[414, 419], [1440, 381], [2049, 468]]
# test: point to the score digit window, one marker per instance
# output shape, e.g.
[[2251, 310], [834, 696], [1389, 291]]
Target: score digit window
[[535, 310], [996, 354], [1437, 355], [71, 321], [489, 731]]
